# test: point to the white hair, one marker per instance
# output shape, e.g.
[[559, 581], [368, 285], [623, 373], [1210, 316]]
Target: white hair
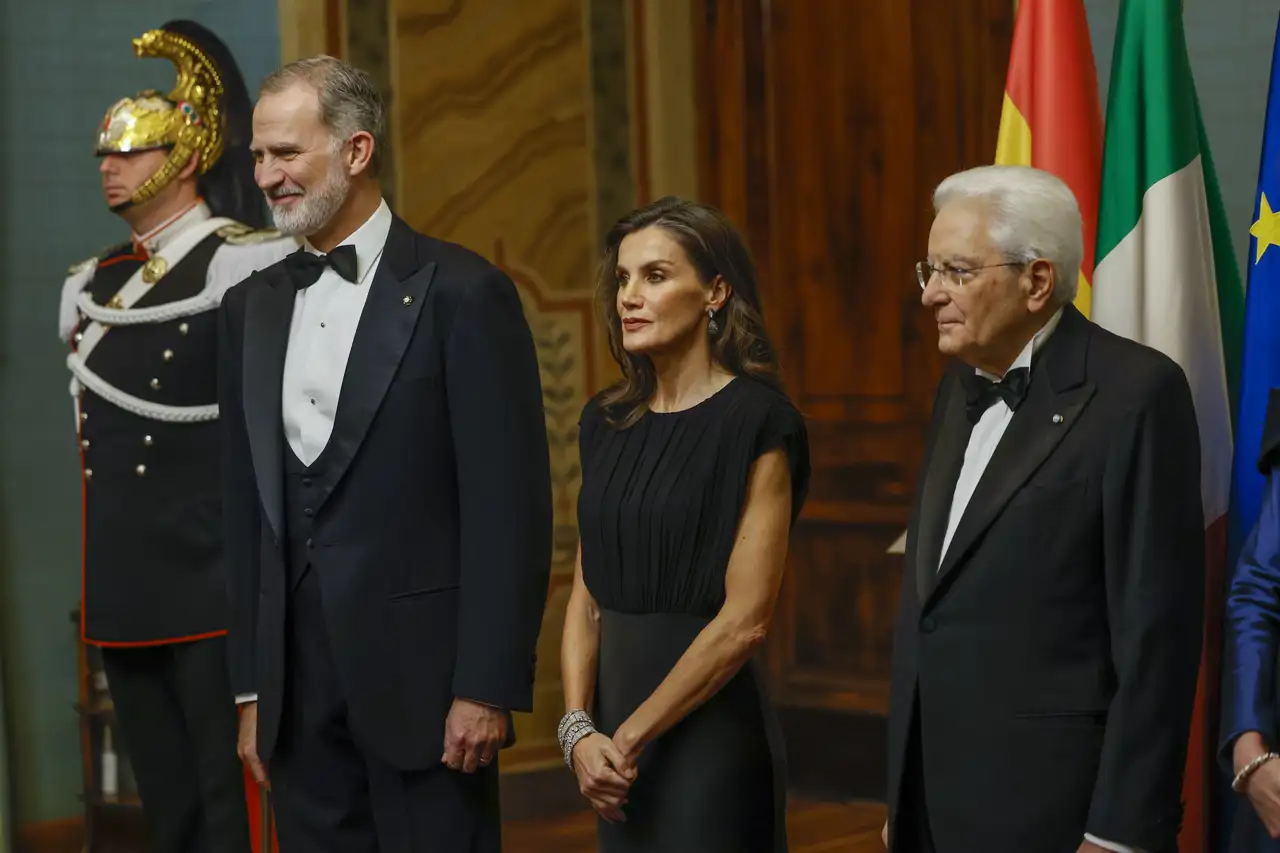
[[1032, 214]]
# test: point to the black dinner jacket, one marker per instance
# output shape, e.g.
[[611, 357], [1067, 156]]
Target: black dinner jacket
[[1049, 667], [432, 530]]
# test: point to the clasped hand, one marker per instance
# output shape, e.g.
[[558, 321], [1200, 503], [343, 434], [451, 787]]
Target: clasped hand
[[605, 774]]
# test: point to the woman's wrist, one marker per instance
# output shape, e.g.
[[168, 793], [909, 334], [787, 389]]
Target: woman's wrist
[[1246, 748], [574, 726], [628, 741]]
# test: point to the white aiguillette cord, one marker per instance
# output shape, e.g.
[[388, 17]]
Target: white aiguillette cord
[[133, 290]]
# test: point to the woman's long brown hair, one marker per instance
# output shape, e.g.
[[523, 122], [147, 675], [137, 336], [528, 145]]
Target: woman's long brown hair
[[714, 247]]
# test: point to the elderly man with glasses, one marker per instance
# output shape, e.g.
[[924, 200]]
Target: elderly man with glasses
[[1048, 641]]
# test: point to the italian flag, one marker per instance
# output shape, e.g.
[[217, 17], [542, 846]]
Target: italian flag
[[1166, 277], [1051, 118]]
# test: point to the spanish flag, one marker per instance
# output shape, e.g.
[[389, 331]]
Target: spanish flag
[[1052, 118]]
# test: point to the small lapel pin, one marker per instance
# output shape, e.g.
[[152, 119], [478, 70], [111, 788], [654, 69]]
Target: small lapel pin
[[1057, 419], [408, 300]]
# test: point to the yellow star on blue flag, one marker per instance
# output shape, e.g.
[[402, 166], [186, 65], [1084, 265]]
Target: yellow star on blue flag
[[1267, 229], [1260, 347]]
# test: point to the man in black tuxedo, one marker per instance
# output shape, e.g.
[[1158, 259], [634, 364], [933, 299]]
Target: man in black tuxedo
[[387, 494], [1048, 641]]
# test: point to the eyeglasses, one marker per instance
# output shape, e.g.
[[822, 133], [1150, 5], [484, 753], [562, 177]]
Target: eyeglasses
[[953, 277]]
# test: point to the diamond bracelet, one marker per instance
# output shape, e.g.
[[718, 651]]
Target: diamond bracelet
[[574, 726]]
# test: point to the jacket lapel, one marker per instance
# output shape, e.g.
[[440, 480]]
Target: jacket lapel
[[939, 485], [268, 315], [387, 322], [1055, 400]]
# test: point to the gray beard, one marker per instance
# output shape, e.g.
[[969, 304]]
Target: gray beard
[[314, 210]]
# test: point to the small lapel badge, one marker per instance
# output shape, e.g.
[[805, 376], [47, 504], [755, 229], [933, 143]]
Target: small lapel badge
[[408, 300], [1057, 419]]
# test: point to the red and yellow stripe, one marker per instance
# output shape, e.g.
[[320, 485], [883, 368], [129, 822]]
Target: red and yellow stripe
[[1052, 117]]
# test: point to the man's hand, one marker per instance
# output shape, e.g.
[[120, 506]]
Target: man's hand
[[247, 747], [473, 734], [1090, 847], [884, 835]]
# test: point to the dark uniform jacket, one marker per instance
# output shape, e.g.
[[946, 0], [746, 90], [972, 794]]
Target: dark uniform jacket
[[144, 370]]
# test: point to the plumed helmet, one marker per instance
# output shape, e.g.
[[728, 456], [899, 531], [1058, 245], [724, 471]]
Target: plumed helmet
[[207, 113]]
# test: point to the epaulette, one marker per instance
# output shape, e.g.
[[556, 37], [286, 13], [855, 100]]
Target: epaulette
[[101, 256], [239, 234]]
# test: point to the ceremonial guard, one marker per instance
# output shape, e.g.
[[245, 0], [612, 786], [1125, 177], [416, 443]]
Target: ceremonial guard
[[140, 320]]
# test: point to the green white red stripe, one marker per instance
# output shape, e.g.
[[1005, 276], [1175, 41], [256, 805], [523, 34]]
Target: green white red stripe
[[1166, 277]]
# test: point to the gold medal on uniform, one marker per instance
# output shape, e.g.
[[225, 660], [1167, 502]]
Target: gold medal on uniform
[[154, 269]]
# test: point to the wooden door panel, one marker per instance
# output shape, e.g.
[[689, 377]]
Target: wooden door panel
[[824, 127], [843, 616]]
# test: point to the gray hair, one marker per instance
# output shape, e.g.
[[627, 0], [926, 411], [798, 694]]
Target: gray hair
[[1032, 215], [349, 100]]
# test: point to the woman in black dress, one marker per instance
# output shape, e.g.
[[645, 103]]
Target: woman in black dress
[[694, 468]]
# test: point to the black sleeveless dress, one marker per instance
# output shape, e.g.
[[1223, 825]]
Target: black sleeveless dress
[[658, 514]]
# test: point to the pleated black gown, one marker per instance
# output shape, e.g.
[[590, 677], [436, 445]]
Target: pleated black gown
[[658, 515]]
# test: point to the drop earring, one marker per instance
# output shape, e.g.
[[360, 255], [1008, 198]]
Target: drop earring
[[713, 326]]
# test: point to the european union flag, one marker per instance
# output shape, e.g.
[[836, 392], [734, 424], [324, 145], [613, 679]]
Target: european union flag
[[1260, 349]]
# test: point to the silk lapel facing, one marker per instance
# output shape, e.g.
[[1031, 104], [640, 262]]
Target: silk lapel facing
[[939, 485], [268, 316]]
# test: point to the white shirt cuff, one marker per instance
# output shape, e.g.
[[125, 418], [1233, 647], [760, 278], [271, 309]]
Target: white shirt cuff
[[1110, 845], [241, 698]]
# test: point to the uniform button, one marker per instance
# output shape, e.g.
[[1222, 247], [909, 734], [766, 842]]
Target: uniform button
[[84, 416], [313, 401], [322, 325], [308, 543], [88, 473], [79, 337], [155, 384], [308, 512], [306, 481], [84, 442], [183, 329], [141, 470], [146, 441], [928, 625], [168, 355]]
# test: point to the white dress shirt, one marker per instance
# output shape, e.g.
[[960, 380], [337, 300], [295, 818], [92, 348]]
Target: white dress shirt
[[325, 317], [983, 442]]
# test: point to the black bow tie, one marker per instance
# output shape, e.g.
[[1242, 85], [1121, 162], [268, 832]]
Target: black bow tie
[[983, 392], [305, 268]]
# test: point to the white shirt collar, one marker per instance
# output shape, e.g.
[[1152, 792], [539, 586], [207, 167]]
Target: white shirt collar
[[368, 239], [157, 238], [1033, 345]]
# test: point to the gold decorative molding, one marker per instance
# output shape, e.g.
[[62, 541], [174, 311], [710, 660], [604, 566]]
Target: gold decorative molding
[[564, 333], [665, 129], [309, 27]]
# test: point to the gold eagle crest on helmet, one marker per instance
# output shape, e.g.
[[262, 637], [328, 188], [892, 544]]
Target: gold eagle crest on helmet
[[188, 120]]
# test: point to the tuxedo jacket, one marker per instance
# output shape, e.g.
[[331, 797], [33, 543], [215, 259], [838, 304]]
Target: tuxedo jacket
[[432, 526], [1048, 666]]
